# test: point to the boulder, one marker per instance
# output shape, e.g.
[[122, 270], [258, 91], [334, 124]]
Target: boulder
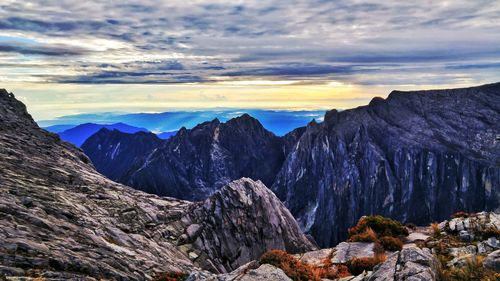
[[348, 250], [492, 261], [408, 264]]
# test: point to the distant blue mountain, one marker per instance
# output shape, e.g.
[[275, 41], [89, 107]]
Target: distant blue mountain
[[279, 122], [166, 135], [77, 135], [59, 128]]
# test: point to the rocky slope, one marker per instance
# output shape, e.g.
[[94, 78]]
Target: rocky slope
[[415, 156], [195, 163], [60, 219]]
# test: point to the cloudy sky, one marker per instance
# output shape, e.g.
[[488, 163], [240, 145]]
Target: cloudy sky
[[66, 56]]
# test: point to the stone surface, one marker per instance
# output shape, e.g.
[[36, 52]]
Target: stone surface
[[408, 264], [492, 261], [265, 272], [348, 250]]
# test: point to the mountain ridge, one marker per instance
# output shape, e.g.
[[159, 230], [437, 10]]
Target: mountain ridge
[[437, 147]]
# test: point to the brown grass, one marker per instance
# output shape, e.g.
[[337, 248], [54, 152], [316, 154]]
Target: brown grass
[[368, 235], [391, 243], [358, 265], [436, 232], [472, 271], [293, 268]]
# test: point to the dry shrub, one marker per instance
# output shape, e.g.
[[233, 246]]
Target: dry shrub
[[329, 271], [472, 271], [436, 231], [382, 227], [378, 248], [460, 215], [368, 235], [170, 276], [490, 232], [391, 243], [293, 268], [358, 265]]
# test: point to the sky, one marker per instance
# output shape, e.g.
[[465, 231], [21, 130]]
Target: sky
[[68, 57]]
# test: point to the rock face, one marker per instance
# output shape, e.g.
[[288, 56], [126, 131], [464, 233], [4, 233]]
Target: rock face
[[195, 163], [228, 227], [61, 219], [415, 157], [113, 152], [409, 264]]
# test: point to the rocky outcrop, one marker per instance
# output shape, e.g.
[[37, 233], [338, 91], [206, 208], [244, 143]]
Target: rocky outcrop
[[409, 264], [415, 157], [238, 224], [195, 163], [61, 220]]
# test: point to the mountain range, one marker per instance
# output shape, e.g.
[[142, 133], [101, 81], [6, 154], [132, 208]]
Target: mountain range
[[416, 156], [279, 122], [78, 134]]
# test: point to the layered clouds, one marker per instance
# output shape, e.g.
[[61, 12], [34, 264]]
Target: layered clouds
[[231, 47]]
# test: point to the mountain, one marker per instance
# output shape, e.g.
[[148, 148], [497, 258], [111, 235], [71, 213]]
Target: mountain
[[416, 156], [196, 162], [279, 122], [166, 135], [116, 151], [61, 220], [77, 135], [59, 128]]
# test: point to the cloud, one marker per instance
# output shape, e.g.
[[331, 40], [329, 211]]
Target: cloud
[[39, 50], [359, 42]]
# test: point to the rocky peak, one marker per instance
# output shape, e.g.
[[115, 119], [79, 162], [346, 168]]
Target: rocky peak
[[245, 122], [250, 210]]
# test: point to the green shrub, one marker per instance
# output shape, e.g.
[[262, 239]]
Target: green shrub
[[391, 243], [382, 227]]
